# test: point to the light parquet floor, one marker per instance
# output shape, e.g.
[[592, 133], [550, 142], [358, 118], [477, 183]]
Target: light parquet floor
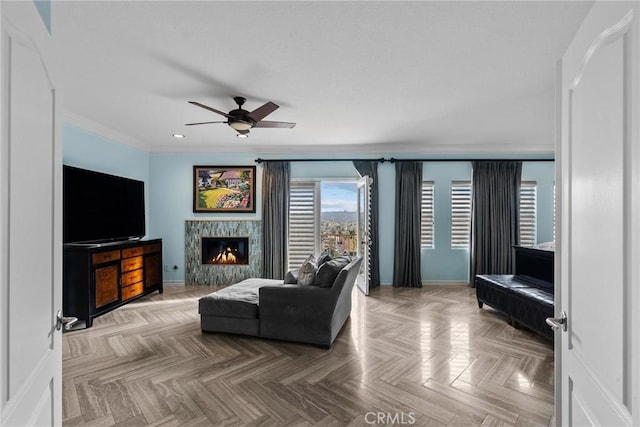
[[425, 357]]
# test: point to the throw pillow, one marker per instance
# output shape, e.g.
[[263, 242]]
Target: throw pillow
[[324, 257], [291, 278], [328, 271], [307, 272]]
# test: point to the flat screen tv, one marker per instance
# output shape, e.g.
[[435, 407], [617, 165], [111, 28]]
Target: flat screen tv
[[99, 207]]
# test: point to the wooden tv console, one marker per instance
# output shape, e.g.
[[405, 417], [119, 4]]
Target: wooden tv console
[[100, 278]]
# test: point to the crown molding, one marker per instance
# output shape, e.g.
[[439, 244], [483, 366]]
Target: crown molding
[[90, 125]]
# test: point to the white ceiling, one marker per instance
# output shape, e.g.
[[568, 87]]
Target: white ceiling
[[383, 77]]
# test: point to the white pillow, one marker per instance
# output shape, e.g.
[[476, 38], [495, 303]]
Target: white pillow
[[307, 272]]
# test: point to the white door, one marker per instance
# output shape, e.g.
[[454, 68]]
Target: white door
[[30, 218], [364, 231], [600, 221]]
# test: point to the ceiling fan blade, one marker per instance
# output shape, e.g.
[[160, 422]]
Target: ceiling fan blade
[[262, 112], [269, 124], [201, 123], [209, 108]]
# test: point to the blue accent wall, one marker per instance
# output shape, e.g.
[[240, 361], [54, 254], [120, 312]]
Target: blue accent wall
[[89, 150], [44, 9], [443, 264], [544, 175], [171, 195], [169, 199]]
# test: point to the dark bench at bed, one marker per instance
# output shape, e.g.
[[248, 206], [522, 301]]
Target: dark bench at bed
[[526, 298]]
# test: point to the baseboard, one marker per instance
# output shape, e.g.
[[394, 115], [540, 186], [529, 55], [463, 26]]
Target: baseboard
[[444, 282], [436, 282], [173, 282]]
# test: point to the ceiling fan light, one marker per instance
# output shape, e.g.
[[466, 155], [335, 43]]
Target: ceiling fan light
[[238, 125], [243, 135]]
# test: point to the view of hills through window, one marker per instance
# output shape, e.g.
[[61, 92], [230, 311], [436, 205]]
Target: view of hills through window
[[338, 217]]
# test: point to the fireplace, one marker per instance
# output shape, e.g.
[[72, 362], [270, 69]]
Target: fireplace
[[225, 250], [198, 274]]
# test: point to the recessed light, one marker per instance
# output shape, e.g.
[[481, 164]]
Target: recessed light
[[178, 135]]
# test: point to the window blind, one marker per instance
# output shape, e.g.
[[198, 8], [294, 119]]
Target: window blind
[[460, 214], [528, 213], [427, 216], [303, 231]]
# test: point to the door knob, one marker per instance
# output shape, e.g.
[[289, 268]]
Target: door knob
[[67, 322], [557, 323]]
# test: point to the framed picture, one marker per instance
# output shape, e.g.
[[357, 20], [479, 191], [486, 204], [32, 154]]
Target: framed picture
[[224, 189]]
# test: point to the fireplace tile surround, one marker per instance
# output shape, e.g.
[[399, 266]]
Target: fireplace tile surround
[[212, 274]]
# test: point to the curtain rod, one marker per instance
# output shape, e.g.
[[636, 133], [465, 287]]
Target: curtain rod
[[393, 160], [259, 160]]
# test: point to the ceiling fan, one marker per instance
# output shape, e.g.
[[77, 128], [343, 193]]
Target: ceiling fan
[[242, 120]]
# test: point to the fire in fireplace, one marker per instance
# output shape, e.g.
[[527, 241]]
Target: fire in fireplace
[[225, 250]]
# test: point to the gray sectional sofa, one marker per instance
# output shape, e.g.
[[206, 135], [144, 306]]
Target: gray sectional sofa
[[274, 309]]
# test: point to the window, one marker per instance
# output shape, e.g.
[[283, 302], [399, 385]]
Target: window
[[528, 213], [460, 214], [322, 216], [339, 217], [426, 216], [303, 221]]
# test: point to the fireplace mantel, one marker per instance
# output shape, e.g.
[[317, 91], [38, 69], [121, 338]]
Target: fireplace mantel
[[213, 274]]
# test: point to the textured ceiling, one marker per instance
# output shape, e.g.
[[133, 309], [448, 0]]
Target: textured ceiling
[[384, 77]]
